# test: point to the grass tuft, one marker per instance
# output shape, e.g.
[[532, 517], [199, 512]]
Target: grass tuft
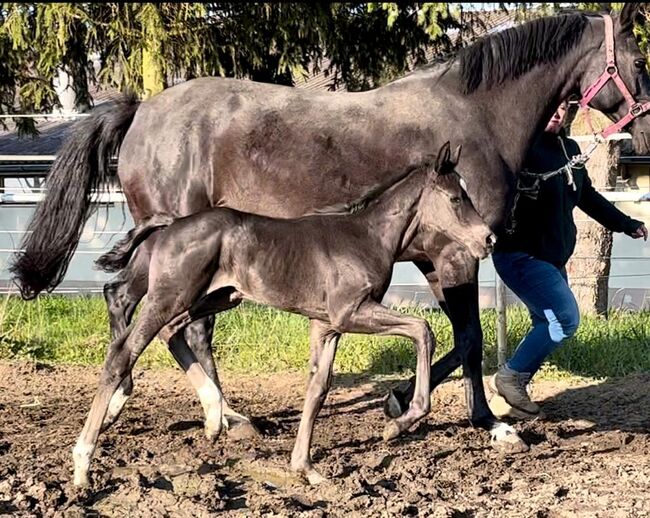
[[251, 338]]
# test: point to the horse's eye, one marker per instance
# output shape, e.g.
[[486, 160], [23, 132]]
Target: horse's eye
[[640, 63], [456, 200]]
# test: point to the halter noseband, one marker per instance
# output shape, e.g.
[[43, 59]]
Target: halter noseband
[[635, 109]]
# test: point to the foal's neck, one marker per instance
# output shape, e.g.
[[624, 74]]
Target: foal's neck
[[393, 217]]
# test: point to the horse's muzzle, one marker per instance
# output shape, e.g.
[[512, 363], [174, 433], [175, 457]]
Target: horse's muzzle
[[490, 241]]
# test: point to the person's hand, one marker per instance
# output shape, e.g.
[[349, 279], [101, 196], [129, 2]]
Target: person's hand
[[642, 231]]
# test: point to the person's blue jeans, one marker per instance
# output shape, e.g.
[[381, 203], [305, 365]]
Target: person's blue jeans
[[545, 291]]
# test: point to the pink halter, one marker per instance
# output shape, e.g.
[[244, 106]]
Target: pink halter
[[635, 109]]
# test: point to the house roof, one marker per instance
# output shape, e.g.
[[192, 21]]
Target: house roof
[[52, 130]]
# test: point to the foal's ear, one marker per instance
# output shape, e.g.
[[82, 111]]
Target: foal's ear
[[446, 163], [457, 151], [443, 163], [629, 14]]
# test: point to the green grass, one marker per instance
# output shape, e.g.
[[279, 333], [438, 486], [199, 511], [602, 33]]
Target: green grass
[[252, 338]]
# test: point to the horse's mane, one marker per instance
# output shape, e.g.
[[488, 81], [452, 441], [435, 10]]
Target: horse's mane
[[375, 191], [510, 53]]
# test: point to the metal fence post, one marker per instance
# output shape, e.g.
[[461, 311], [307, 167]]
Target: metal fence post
[[502, 332]]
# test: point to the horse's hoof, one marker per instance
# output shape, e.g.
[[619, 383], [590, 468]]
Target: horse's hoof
[[240, 430], [314, 477], [391, 431], [212, 432], [81, 480], [505, 439], [393, 405]]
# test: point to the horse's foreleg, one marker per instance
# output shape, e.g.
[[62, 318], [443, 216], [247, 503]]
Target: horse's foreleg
[[460, 303], [322, 342]]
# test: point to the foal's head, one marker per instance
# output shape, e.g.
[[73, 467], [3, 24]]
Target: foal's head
[[446, 210]]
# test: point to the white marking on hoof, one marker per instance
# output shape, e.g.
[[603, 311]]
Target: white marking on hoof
[[504, 438], [314, 477], [81, 454], [212, 403]]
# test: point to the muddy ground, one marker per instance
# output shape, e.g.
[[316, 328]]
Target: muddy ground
[[590, 456]]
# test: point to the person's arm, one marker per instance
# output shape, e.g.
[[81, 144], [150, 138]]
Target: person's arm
[[604, 212]]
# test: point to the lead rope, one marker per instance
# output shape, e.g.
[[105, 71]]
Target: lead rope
[[574, 162]]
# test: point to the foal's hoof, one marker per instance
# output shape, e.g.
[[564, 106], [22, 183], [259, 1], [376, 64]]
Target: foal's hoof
[[505, 439], [391, 431], [240, 430], [393, 405]]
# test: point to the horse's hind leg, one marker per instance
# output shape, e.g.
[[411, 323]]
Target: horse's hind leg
[[209, 392], [322, 342], [198, 336]]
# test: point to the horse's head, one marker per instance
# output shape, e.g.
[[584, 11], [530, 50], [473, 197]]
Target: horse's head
[[619, 90], [446, 210]]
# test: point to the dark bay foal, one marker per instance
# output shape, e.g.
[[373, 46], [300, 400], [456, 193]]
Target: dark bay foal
[[332, 267]]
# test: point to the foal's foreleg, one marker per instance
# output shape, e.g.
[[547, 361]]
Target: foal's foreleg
[[374, 318], [322, 342]]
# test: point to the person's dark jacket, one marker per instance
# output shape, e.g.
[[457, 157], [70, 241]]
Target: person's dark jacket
[[544, 226]]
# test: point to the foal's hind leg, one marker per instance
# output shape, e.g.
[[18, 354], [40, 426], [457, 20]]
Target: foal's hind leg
[[209, 393], [322, 342], [121, 357], [122, 296], [198, 336]]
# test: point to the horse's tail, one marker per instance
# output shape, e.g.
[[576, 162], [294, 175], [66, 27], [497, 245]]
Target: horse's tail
[[81, 166], [119, 256]]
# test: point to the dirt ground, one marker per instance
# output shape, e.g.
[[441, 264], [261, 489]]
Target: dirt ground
[[590, 456]]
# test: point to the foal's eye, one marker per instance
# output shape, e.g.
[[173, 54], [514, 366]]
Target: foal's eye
[[456, 200], [640, 63]]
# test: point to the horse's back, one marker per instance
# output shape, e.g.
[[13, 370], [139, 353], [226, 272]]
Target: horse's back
[[268, 149]]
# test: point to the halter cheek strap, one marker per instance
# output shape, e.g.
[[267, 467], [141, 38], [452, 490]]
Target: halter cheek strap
[[635, 109]]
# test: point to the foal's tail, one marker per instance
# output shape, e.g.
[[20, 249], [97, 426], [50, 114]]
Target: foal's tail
[[119, 256], [81, 166]]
